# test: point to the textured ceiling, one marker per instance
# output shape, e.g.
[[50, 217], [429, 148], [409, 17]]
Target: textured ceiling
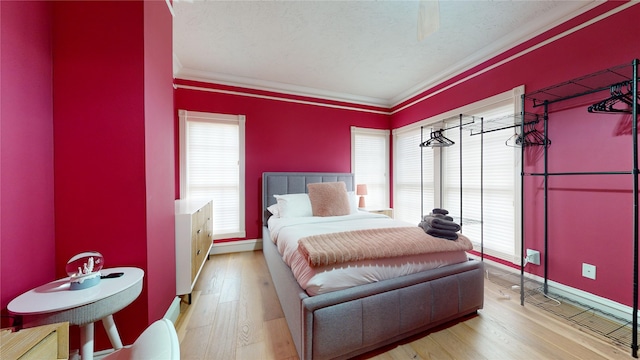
[[361, 51]]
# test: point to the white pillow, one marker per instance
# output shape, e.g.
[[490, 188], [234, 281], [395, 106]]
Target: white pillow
[[274, 210], [294, 205], [353, 201]]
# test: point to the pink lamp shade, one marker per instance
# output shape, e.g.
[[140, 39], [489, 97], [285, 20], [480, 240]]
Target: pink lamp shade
[[361, 189]]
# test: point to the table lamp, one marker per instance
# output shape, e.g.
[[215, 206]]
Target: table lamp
[[361, 189]]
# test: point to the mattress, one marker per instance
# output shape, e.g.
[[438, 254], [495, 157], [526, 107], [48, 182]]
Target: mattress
[[285, 233]]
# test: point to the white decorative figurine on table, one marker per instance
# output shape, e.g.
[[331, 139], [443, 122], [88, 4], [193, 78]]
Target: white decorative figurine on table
[[89, 265]]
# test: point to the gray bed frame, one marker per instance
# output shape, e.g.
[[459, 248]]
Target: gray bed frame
[[349, 322]]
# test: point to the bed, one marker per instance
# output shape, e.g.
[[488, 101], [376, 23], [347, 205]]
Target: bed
[[345, 322]]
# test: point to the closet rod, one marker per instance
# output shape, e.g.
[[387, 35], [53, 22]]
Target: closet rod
[[421, 179], [546, 199], [582, 86], [591, 91], [634, 131], [522, 214], [583, 173], [460, 124], [481, 189], [502, 128]]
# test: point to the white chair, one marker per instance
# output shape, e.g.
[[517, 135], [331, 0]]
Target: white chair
[[158, 342]]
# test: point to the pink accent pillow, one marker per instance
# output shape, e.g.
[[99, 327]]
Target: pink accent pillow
[[329, 199]]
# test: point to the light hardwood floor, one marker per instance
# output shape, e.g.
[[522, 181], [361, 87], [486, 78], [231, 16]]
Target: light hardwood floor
[[235, 314]]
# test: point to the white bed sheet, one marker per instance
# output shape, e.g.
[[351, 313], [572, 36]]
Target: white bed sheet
[[285, 233]]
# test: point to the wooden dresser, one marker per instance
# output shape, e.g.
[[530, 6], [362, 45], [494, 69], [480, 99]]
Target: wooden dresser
[[194, 239], [41, 342]]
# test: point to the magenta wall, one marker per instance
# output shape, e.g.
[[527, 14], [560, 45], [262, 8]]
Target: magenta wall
[[159, 157], [113, 114], [99, 141], [27, 240], [283, 136], [106, 88], [590, 216], [102, 97]]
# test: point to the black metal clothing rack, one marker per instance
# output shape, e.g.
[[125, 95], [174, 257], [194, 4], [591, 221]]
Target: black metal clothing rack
[[475, 127], [611, 79]]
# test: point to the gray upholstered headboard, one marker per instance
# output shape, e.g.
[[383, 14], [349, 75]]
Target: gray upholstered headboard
[[279, 183]]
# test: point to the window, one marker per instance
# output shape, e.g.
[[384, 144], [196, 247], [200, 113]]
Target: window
[[500, 165], [489, 177], [212, 166], [370, 164], [410, 178]]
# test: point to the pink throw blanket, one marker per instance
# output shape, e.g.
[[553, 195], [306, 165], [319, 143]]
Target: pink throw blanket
[[370, 244]]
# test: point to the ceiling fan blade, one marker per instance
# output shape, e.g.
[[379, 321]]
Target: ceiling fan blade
[[428, 18]]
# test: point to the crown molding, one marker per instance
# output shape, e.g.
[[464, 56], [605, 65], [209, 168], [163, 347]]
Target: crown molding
[[177, 65], [521, 53], [272, 86], [279, 98], [505, 44]]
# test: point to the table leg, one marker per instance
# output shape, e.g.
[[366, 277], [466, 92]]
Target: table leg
[[86, 341], [112, 331]]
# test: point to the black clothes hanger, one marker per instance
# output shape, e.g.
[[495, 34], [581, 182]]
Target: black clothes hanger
[[528, 137], [515, 140], [533, 137], [437, 140], [620, 95]]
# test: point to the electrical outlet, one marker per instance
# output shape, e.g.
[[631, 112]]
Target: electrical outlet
[[589, 271], [533, 257]]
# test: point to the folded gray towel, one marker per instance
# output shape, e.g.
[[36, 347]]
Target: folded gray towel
[[439, 216], [449, 235], [440, 211], [441, 224]]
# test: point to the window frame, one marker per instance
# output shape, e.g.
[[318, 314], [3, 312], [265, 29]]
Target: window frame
[[383, 133], [515, 96], [473, 190], [240, 120]]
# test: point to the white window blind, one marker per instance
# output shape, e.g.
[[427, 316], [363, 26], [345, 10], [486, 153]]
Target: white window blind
[[497, 191], [501, 175], [370, 164], [212, 167], [409, 178]]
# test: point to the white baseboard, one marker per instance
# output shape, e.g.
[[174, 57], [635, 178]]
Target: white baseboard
[[606, 306], [235, 246], [174, 310], [97, 355]]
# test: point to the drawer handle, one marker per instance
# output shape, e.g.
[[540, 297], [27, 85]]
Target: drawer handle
[[198, 253], [198, 232]]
